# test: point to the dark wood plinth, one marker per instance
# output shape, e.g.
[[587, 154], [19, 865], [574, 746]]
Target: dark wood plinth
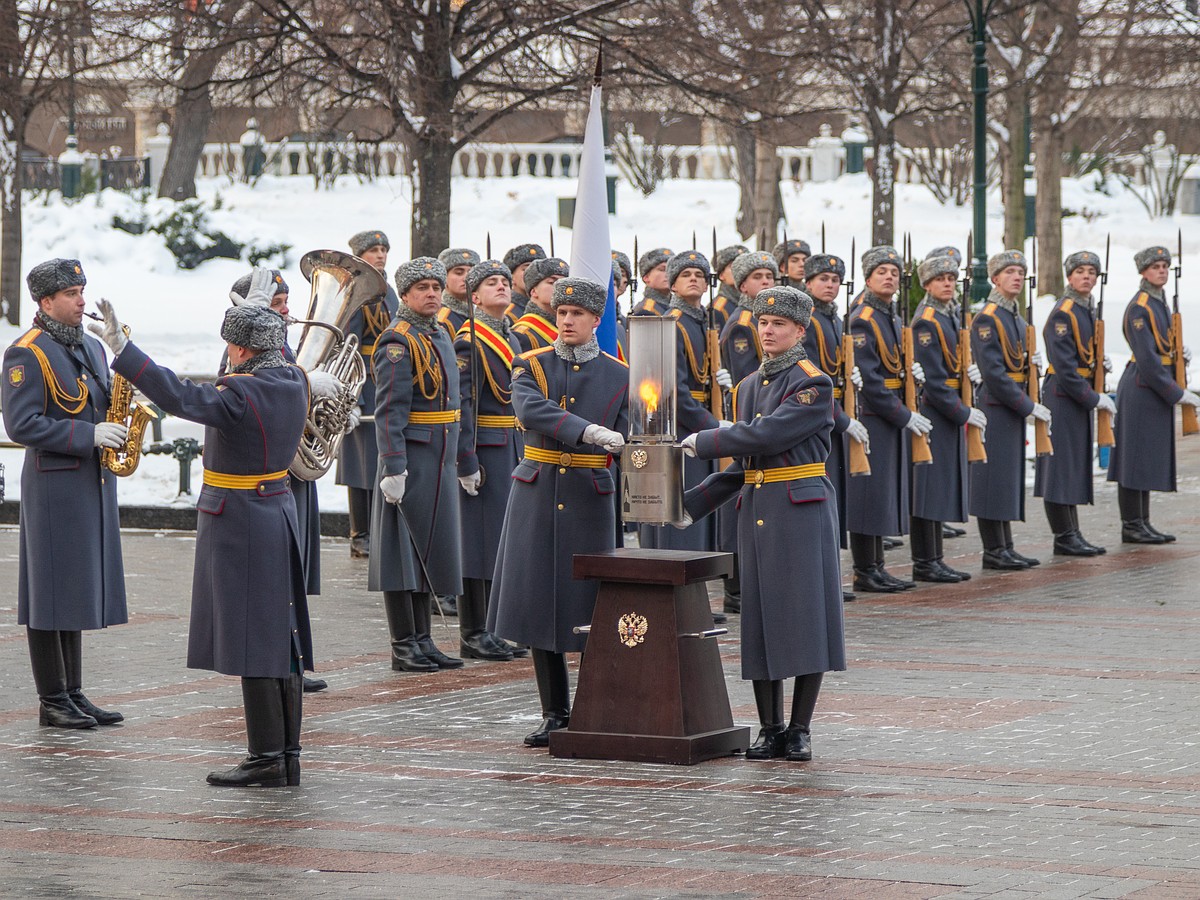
[[664, 698]]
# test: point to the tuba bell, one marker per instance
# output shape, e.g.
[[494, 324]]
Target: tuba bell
[[341, 284]]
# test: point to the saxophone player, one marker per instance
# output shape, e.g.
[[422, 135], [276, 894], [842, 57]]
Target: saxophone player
[[56, 397]]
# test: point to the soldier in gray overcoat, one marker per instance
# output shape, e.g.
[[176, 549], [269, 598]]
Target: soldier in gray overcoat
[[456, 298], [940, 488], [417, 413], [1064, 479], [572, 401], [489, 446], [1143, 459], [249, 611], [656, 293], [728, 296], [56, 398], [997, 486], [358, 454], [787, 523], [879, 504], [695, 376], [537, 326], [517, 260]]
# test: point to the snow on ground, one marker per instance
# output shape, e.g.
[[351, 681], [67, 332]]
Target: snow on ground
[[175, 314]]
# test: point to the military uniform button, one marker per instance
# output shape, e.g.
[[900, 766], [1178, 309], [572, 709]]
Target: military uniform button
[[562, 471], [84, 376], [564, 459], [758, 415], [760, 521], [766, 381], [572, 399], [560, 506], [576, 368]]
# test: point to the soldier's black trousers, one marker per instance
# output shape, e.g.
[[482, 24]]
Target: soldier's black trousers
[[57, 660], [554, 688], [1134, 505], [994, 534], [1061, 517], [866, 550], [360, 511], [926, 537]]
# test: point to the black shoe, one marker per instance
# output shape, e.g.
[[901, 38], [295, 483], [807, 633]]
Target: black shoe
[[1096, 549], [88, 708], [949, 531], [436, 656], [869, 581], [58, 711], [848, 597], [517, 650], [1072, 544], [719, 618], [956, 573], [1003, 560], [900, 583], [733, 603], [891, 543], [1029, 561], [407, 656], [1167, 538], [797, 744], [291, 764], [314, 685], [541, 737], [477, 646], [255, 771], [931, 571], [360, 546], [771, 743], [447, 604], [1134, 531]]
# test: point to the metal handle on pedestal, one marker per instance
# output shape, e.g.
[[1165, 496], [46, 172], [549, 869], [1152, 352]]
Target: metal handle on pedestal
[[582, 629], [710, 633]]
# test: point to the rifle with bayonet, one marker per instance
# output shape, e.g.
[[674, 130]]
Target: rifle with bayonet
[[859, 464], [1041, 429], [712, 341], [921, 454], [1104, 423], [976, 452], [1190, 423]]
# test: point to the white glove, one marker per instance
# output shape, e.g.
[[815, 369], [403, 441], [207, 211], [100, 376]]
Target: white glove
[[724, 423], [918, 372], [603, 437], [1188, 399], [856, 377], [724, 379], [858, 432], [1105, 404], [1187, 354], [323, 384], [1041, 412], [261, 289], [1037, 359], [110, 434], [353, 420], [1107, 363], [918, 424], [393, 487], [977, 418], [685, 522], [974, 374], [110, 332], [470, 483], [689, 445]]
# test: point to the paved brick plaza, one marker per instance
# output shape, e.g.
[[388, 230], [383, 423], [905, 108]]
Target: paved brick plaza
[[1029, 733]]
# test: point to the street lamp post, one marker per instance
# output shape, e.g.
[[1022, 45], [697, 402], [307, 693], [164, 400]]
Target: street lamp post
[[979, 11], [70, 161]]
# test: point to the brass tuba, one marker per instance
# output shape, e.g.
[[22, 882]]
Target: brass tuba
[[124, 460], [341, 284]]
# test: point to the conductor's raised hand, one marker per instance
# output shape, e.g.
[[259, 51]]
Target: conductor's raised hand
[[109, 330]]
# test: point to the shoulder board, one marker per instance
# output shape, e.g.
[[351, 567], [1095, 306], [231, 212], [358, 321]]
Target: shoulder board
[[1067, 304], [745, 317], [719, 304], [464, 331], [1143, 298], [28, 337], [443, 314], [674, 313], [809, 369], [402, 327], [237, 375], [988, 309], [615, 359], [928, 314], [529, 354], [867, 312]]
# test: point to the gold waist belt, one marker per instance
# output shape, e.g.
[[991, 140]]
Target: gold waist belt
[[440, 417], [1086, 373], [837, 393], [759, 477], [497, 422], [699, 395], [953, 383], [893, 384], [240, 482], [367, 349], [568, 460], [1018, 377]]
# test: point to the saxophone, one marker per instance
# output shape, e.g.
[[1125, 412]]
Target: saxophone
[[124, 460]]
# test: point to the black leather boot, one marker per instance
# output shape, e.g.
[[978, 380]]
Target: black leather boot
[[360, 522], [1072, 544], [293, 712], [995, 553], [314, 685], [265, 738], [406, 654], [733, 590], [474, 641], [56, 709], [72, 651], [938, 540], [1067, 539], [1145, 502], [554, 691], [422, 606], [1096, 550], [1008, 543], [771, 743], [866, 574], [926, 562], [447, 605], [798, 746], [881, 544]]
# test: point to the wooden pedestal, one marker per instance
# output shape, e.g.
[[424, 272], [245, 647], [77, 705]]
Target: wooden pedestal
[[646, 693]]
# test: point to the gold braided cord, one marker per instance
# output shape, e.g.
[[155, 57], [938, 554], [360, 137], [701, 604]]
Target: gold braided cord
[[375, 319], [502, 394], [701, 375], [427, 373], [889, 358], [953, 362], [71, 405], [829, 365], [1087, 355]]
